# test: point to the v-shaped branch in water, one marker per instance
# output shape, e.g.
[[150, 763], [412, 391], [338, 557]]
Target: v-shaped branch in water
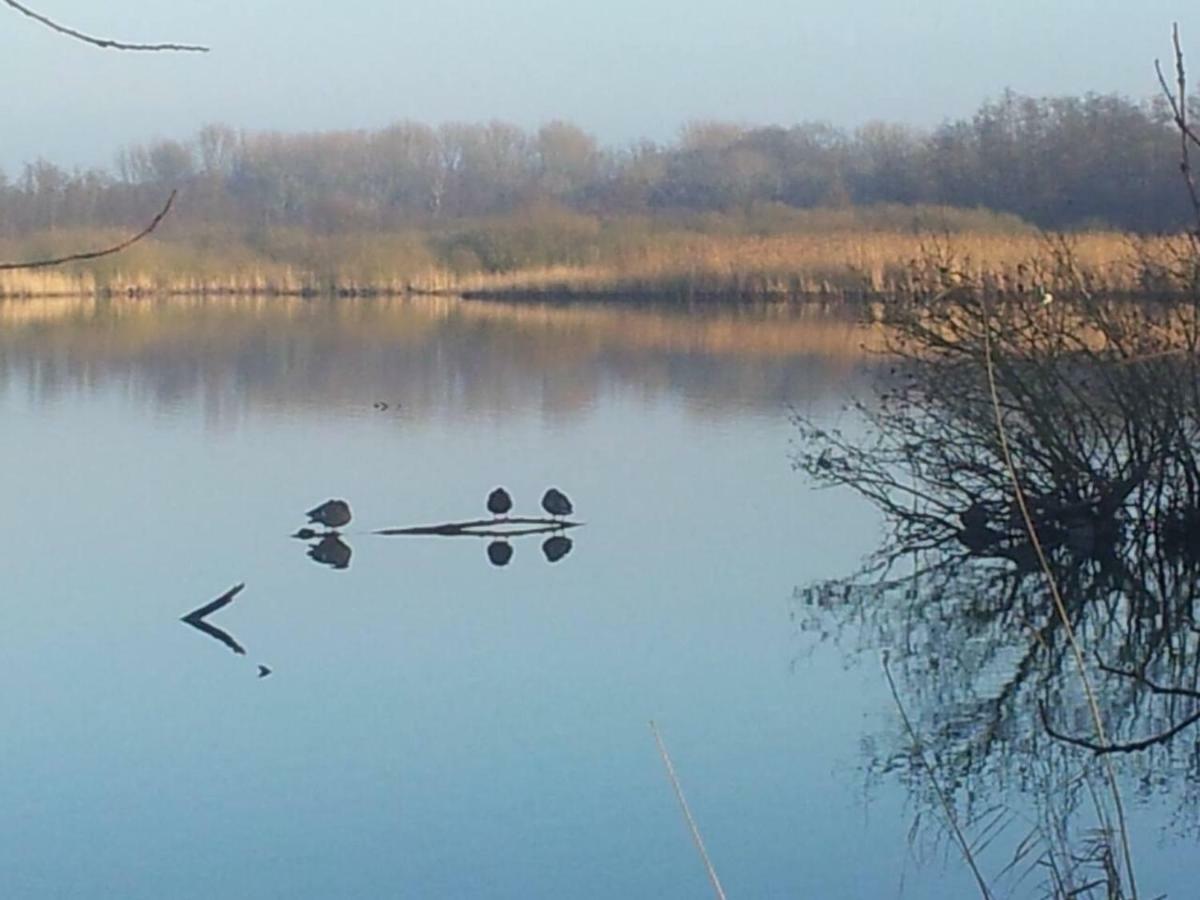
[[106, 43], [92, 254], [197, 616]]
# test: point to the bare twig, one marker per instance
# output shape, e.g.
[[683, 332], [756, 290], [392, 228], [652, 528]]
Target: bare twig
[[93, 254], [1178, 103], [1131, 746], [106, 43], [687, 813], [1107, 748], [1153, 687]]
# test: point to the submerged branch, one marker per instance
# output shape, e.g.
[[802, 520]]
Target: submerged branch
[[106, 43], [486, 528], [196, 619], [220, 603], [93, 254]]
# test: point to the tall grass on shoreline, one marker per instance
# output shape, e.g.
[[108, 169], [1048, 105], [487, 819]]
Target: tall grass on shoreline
[[760, 255]]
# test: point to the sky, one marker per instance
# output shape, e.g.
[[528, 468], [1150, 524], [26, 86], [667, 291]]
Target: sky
[[622, 69]]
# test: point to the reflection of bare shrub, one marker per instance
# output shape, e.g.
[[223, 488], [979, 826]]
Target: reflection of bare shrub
[[1100, 404]]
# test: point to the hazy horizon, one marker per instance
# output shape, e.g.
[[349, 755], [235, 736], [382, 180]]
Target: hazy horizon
[[623, 72]]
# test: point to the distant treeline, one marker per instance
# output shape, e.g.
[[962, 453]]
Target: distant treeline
[[1062, 162]]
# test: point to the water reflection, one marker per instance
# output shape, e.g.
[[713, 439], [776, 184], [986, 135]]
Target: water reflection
[[331, 551], [480, 688], [448, 357], [556, 547], [989, 597], [499, 553], [506, 528]]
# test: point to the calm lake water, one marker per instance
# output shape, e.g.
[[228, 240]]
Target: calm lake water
[[433, 725]]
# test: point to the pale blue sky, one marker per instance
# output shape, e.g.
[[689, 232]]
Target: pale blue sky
[[621, 68]]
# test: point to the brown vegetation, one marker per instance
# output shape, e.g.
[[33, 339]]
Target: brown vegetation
[[566, 255]]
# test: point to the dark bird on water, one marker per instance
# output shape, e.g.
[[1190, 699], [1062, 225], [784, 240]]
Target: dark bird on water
[[331, 514], [499, 553], [556, 503], [499, 502], [263, 671]]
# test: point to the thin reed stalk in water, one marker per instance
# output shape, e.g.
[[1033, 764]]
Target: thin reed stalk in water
[[687, 813], [1055, 593], [947, 809]]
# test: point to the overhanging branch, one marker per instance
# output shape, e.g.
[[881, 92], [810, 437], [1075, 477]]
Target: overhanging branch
[[106, 43], [92, 254]]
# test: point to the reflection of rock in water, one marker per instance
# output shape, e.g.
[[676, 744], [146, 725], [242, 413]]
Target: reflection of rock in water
[[331, 551], [555, 548], [499, 553]]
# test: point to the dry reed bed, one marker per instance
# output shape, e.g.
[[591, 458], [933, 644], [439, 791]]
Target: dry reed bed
[[859, 264], [676, 265]]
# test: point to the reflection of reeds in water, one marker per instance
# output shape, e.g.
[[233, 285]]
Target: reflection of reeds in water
[[671, 265], [346, 353], [581, 330]]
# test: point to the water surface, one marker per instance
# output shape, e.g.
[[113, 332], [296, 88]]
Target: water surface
[[433, 725]]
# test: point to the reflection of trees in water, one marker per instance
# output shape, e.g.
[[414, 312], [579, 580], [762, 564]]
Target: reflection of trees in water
[[1100, 402], [436, 354]]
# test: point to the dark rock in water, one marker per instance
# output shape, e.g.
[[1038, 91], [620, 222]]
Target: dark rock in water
[[555, 548], [263, 671], [499, 553], [499, 502], [305, 534], [331, 514], [331, 551]]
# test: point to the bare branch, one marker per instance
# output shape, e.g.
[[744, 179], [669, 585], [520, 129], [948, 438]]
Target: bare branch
[[1154, 688], [1106, 748], [1178, 102], [101, 42], [93, 254]]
